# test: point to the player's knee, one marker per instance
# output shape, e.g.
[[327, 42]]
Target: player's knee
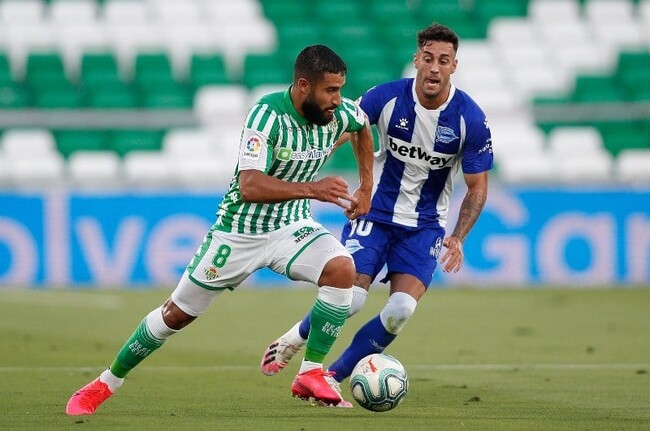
[[175, 318], [359, 295], [338, 272], [398, 309]]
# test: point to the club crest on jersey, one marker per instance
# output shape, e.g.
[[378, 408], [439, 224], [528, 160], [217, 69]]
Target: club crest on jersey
[[445, 134], [252, 148], [210, 273], [403, 124], [353, 245]]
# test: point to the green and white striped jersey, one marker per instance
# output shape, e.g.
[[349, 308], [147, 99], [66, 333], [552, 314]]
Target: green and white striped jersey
[[279, 142]]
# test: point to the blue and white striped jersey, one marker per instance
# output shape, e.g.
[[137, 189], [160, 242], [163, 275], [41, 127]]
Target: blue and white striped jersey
[[420, 152]]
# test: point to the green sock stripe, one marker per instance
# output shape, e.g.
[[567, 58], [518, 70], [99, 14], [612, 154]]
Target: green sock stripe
[[147, 337], [137, 347], [326, 323], [334, 312]]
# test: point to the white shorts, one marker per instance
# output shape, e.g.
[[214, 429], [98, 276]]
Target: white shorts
[[299, 251]]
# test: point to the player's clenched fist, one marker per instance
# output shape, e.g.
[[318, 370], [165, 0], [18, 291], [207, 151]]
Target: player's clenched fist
[[334, 190]]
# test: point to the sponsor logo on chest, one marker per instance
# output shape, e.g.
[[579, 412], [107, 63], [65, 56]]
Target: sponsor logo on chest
[[409, 153]]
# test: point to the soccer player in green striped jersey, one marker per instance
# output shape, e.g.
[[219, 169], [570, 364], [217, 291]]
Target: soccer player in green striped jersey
[[264, 220]]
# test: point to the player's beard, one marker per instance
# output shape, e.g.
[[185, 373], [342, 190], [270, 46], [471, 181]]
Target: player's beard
[[313, 113]]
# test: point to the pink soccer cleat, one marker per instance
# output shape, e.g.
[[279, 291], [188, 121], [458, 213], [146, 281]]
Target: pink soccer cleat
[[329, 378], [278, 354], [313, 384], [86, 400]]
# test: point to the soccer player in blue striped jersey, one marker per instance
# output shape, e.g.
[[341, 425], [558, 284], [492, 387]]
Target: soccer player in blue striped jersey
[[428, 130], [264, 220]]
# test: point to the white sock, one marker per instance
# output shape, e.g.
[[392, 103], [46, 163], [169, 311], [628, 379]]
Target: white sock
[[293, 335], [359, 295], [308, 366], [157, 325], [112, 381]]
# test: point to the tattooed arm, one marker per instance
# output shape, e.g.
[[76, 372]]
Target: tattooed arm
[[470, 209]]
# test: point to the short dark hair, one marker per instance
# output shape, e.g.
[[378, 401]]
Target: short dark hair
[[437, 33], [315, 60]]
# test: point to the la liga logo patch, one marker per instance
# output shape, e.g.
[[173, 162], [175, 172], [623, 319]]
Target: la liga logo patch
[[252, 148]]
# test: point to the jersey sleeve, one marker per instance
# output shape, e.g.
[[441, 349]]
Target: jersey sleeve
[[356, 118], [477, 151], [258, 139], [371, 104]]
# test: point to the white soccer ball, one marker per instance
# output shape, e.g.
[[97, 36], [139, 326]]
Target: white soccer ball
[[379, 382]]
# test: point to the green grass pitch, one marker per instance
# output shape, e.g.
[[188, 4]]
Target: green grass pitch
[[517, 359]]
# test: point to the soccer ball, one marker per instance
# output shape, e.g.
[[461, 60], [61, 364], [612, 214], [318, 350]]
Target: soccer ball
[[379, 382]]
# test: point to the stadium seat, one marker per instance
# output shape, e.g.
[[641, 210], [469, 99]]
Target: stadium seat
[[207, 69], [175, 12], [265, 69], [294, 36], [221, 104], [337, 12], [631, 166], [20, 12], [69, 142], [597, 168], [210, 172], [94, 168], [27, 143], [98, 68], [597, 89], [544, 12], [111, 95], [147, 169], [125, 141], [44, 69], [57, 96], [234, 11], [575, 141], [385, 12], [167, 96], [257, 92], [153, 69], [179, 143], [12, 96], [516, 139], [66, 12], [31, 158], [122, 12], [526, 169], [618, 139], [40, 172], [608, 11]]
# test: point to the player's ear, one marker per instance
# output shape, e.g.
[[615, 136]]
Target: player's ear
[[454, 66], [415, 60], [303, 85]]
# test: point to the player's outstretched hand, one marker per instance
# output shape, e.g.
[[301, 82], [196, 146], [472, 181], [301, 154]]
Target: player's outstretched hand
[[362, 205], [334, 190], [452, 259]]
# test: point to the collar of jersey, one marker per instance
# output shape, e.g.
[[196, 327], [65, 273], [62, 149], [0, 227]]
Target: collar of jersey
[[292, 109], [442, 107]]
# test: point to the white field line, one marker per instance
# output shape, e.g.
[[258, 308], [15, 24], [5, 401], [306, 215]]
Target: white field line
[[424, 367]]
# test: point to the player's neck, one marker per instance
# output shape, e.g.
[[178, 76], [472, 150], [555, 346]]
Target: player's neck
[[433, 103]]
